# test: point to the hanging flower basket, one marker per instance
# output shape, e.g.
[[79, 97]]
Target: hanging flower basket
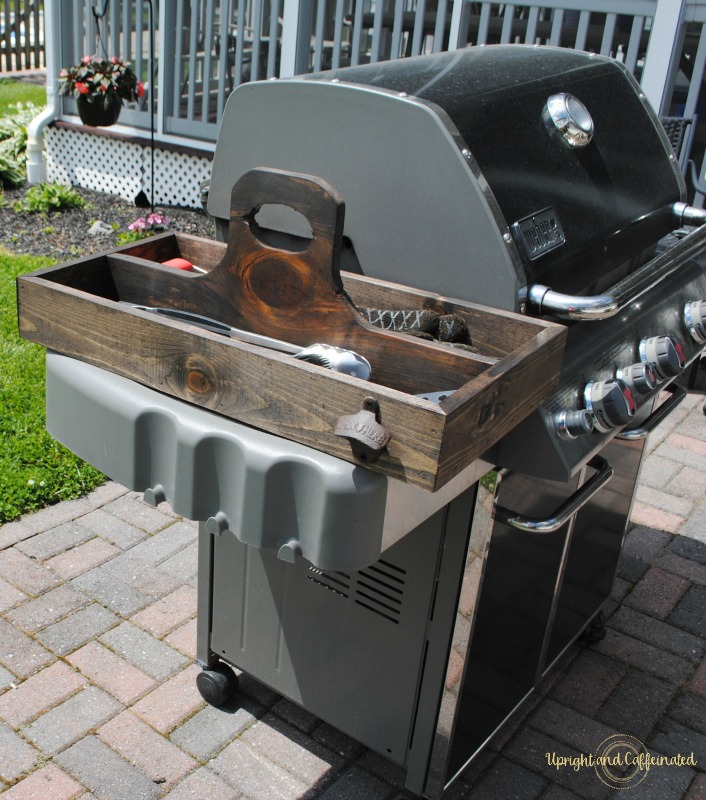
[[98, 115], [100, 86]]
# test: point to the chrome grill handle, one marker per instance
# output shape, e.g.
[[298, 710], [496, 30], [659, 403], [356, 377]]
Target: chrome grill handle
[[566, 510], [566, 306]]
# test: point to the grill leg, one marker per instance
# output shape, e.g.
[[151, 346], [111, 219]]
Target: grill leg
[[217, 683], [204, 598]]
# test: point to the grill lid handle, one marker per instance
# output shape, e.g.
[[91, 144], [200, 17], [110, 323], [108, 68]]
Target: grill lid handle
[[567, 306]]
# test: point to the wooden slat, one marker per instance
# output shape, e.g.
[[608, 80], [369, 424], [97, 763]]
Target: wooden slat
[[638, 26], [397, 38], [357, 32], [240, 42], [192, 79], [484, 23], [208, 37], [608, 34], [582, 30], [376, 44], [495, 412], [18, 34], [339, 19], [440, 27], [404, 363], [508, 19], [533, 18], [557, 24], [256, 44], [418, 31], [318, 60], [496, 332]]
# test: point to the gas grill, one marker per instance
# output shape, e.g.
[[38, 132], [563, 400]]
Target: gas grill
[[508, 176], [415, 621]]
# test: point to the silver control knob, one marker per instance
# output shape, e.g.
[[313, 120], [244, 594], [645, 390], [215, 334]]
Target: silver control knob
[[567, 117], [570, 424], [664, 354], [640, 378], [695, 319], [610, 402]]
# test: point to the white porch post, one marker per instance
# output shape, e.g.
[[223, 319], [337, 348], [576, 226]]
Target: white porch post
[[663, 53], [296, 37]]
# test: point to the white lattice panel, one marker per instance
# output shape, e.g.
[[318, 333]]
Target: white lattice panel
[[177, 177], [94, 162], [105, 164]]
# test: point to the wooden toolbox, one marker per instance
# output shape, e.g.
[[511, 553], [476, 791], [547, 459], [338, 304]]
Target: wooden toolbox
[[82, 309]]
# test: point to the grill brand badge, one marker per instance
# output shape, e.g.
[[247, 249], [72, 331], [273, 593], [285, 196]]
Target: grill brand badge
[[539, 233]]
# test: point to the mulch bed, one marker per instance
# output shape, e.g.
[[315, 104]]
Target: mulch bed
[[65, 235]]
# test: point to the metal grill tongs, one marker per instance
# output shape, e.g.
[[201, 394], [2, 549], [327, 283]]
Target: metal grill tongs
[[337, 359]]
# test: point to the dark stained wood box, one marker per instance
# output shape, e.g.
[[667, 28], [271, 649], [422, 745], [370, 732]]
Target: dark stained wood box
[[80, 309]]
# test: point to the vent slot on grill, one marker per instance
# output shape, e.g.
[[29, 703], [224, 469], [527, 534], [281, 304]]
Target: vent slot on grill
[[336, 582], [379, 588]]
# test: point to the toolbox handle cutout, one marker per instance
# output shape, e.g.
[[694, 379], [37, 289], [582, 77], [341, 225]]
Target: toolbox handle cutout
[[286, 289]]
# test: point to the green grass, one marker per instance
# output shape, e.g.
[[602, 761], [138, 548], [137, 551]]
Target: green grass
[[20, 92], [35, 470]]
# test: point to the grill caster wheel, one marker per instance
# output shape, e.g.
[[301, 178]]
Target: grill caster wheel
[[596, 630], [217, 685]]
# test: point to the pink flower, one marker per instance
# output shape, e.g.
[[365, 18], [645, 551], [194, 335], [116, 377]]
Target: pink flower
[[115, 60], [154, 220], [138, 225], [86, 60], [81, 88]]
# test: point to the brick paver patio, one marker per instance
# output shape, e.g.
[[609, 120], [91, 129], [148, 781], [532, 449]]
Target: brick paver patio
[[97, 645]]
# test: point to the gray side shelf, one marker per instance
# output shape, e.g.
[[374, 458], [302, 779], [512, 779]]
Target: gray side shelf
[[270, 492]]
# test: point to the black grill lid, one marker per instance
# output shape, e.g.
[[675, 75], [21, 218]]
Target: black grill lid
[[612, 199]]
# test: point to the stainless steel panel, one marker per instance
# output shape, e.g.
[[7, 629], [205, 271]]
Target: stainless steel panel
[[521, 577], [596, 542]]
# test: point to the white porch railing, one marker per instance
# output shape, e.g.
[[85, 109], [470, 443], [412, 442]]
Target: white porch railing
[[207, 47]]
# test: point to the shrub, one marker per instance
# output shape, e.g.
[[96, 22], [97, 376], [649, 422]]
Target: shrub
[[13, 143], [45, 197]]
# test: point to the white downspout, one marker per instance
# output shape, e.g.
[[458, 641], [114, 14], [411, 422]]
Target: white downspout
[[36, 164]]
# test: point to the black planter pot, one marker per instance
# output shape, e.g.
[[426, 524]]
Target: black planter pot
[[97, 115]]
